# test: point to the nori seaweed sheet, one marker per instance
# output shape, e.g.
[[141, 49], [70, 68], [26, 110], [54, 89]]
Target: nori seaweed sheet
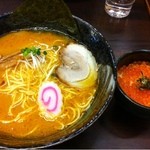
[[48, 14]]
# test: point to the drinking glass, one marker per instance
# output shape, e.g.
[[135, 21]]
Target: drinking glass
[[118, 8]]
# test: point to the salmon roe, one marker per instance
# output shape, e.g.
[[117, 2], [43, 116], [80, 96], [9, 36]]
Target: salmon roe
[[128, 77]]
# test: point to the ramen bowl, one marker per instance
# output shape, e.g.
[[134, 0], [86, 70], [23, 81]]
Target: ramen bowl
[[104, 57], [134, 98]]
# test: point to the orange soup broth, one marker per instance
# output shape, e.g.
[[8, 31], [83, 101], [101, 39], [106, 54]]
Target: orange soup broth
[[128, 77], [32, 124]]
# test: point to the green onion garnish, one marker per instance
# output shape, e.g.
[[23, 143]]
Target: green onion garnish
[[34, 50]]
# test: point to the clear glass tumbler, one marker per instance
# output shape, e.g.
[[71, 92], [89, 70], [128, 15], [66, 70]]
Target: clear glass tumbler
[[118, 8]]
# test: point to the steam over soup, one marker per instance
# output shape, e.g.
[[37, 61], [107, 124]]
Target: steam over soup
[[47, 82]]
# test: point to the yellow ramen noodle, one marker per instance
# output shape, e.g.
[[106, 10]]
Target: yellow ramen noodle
[[20, 80]]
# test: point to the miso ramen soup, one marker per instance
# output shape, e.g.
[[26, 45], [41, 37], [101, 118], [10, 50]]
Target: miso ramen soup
[[47, 82]]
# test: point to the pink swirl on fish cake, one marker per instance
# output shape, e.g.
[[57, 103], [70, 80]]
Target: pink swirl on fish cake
[[50, 97]]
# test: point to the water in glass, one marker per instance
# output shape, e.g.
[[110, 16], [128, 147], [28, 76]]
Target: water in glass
[[118, 8]]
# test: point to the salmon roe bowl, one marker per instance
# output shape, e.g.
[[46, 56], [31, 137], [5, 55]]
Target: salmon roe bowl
[[133, 82]]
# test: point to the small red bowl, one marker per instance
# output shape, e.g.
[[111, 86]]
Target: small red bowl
[[123, 99]]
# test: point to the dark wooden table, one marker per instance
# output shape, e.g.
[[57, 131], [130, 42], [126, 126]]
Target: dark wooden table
[[115, 128]]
